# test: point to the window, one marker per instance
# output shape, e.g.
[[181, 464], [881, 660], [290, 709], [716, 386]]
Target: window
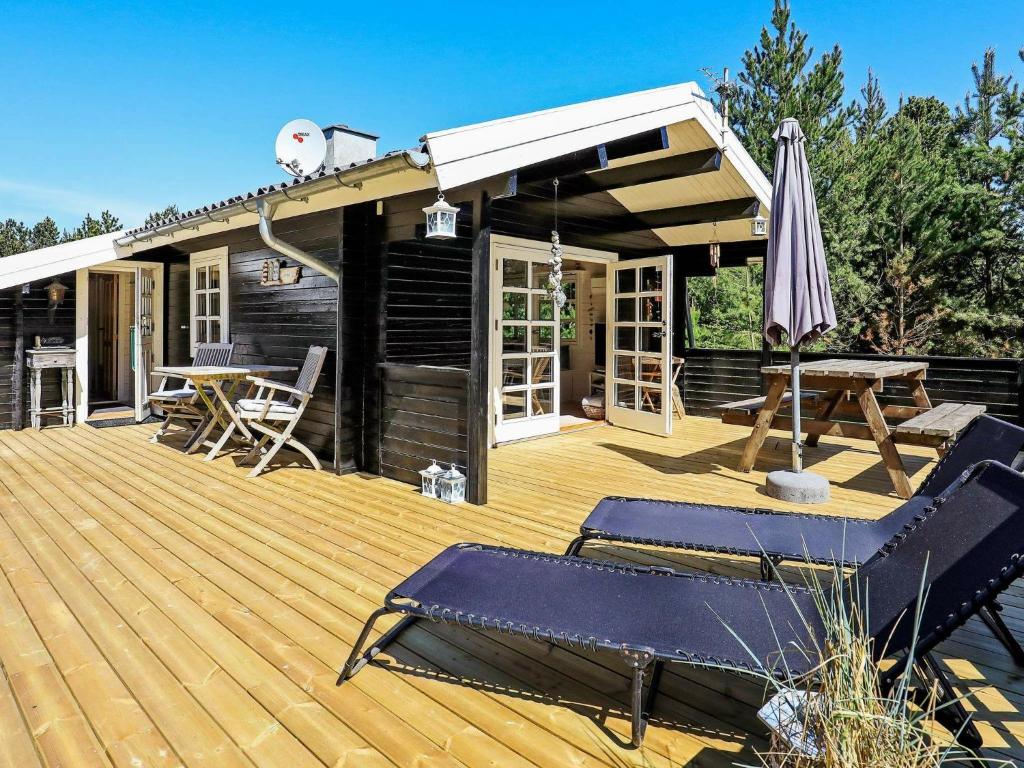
[[208, 286]]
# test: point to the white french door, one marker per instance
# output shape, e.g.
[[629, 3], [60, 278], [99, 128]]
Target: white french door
[[525, 344], [143, 327], [638, 376]]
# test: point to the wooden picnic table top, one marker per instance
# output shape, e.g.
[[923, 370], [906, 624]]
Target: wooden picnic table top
[[851, 369], [221, 371]]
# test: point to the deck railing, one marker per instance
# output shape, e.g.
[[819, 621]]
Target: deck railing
[[716, 376]]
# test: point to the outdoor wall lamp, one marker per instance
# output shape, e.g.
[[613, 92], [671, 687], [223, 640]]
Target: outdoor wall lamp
[[441, 218], [758, 226], [55, 293]]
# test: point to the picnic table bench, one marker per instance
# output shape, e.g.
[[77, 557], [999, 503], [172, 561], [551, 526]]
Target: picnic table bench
[[847, 388], [939, 425], [755, 404]]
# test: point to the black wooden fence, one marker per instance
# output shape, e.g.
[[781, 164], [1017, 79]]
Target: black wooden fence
[[716, 376], [422, 417]]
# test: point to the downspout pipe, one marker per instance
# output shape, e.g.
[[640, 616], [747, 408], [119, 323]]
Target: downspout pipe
[[266, 214]]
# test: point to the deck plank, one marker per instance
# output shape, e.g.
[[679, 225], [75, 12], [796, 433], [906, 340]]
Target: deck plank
[[192, 573]]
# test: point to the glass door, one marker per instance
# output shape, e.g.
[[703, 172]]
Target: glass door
[[142, 339], [639, 345], [525, 344]]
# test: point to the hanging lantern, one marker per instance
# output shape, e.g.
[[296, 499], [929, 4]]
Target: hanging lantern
[[55, 293], [452, 486], [428, 479], [441, 218], [555, 275], [758, 226]]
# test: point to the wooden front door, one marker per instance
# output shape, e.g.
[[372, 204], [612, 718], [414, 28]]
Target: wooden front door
[[103, 337]]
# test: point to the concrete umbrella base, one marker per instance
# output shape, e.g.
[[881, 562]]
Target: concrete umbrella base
[[797, 487]]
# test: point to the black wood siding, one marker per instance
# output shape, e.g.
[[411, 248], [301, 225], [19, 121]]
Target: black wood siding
[[37, 323], [428, 288], [177, 317], [277, 324], [422, 417], [716, 376]]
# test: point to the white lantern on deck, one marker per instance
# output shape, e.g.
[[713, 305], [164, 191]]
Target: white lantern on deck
[[452, 486], [441, 218], [428, 479]]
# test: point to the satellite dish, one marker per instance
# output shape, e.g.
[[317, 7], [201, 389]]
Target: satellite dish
[[301, 147]]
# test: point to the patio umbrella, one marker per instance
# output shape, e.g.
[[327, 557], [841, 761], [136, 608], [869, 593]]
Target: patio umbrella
[[798, 300]]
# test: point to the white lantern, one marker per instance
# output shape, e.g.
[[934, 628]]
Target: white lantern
[[441, 218], [452, 485], [758, 226], [428, 480]]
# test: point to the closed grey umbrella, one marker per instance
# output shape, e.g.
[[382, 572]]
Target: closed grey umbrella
[[798, 300]]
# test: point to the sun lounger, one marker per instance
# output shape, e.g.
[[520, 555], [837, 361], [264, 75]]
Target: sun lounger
[[651, 615], [776, 536]]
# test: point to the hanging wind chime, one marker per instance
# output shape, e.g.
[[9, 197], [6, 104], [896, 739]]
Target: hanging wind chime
[[555, 275], [714, 247]]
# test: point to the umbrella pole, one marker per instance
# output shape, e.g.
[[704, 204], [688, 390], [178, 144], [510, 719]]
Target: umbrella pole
[[794, 363]]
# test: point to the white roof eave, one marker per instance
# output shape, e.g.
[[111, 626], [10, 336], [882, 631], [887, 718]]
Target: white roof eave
[[475, 152], [44, 263]]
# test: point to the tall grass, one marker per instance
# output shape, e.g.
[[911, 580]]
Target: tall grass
[[847, 720]]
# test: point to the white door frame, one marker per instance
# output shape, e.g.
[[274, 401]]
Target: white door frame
[[533, 249], [82, 324], [656, 417]]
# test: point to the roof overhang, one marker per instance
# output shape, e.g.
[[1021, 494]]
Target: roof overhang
[[682, 112], [27, 267]]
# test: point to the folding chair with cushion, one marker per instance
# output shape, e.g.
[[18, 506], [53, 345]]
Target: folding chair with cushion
[[651, 615], [777, 536], [275, 418], [183, 404]]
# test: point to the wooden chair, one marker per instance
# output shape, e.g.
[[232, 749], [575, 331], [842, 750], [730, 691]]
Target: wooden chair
[[540, 369], [183, 404], [652, 372], [264, 409]]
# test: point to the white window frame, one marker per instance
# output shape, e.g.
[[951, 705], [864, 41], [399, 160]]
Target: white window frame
[[214, 257]]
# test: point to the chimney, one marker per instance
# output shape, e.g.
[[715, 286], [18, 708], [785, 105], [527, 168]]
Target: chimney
[[346, 146]]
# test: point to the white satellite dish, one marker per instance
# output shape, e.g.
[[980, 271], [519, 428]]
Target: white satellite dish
[[301, 147]]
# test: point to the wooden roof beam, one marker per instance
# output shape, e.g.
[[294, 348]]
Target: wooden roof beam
[[680, 216], [594, 158], [647, 172]]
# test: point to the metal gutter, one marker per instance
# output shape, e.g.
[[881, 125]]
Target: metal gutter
[[265, 209], [348, 177]]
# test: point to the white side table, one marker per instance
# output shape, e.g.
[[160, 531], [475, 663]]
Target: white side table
[[37, 361]]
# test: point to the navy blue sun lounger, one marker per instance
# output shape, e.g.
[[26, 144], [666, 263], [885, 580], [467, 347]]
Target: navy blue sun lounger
[[776, 536], [651, 615]]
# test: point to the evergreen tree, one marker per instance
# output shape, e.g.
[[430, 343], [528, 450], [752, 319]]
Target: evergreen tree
[[984, 272], [44, 234], [14, 237], [779, 80], [157, 216], [90, 227]]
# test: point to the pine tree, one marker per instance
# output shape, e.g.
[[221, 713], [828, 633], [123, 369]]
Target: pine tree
[[985, 272], [778, 80], [157, 216], [44, 234], [90, 227]]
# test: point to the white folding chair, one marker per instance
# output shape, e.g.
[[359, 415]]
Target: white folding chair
[[183, 404], [275, 419]]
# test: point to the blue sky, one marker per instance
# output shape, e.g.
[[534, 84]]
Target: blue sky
[[131, 107]]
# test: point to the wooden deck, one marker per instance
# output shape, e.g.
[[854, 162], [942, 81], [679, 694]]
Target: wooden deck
[[161, 611]]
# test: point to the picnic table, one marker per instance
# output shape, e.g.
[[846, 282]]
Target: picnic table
[[847, 388], [209, 382]]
